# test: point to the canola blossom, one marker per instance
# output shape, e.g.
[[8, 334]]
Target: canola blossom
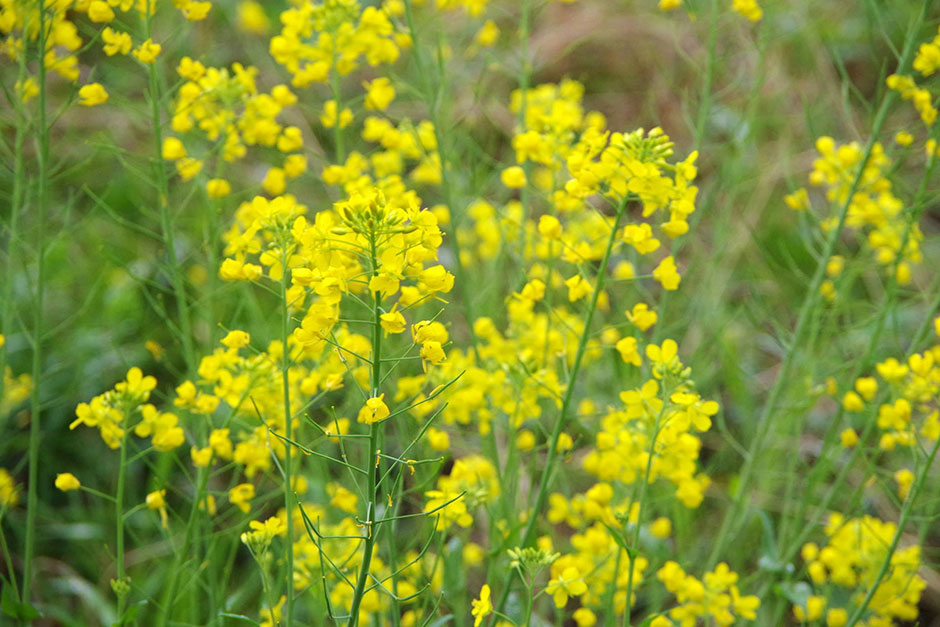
[[400, 313]]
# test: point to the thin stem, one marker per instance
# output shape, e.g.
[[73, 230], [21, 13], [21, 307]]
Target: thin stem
[[119, 522], [370, 461], [42, 130], [166, 219], [288, 417]]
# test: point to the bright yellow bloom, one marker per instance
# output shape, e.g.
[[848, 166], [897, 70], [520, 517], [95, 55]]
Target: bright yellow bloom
[[513, 177], [99, 11], [92, 94], [482, 607], [116, 42], [379, 94], [173, 149], [9, 492], [567, 584], [375, 410], [147, 51], [218, 188], [66, 481]]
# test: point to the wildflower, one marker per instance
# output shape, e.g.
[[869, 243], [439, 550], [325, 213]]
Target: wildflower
[[251, 17], [748, 8], [9, 492], [904, 478], [642, 316], [393, 322], [236, 339], [438, 439], [849, 438], [240, 496], [147, 51], [99, 11], [525, 440], [567, 584], [173, 149], [513, 177], [379, 94], [332, 116], [66, 481], [666, 274], [482, 607], [487, 35], [375, 410], [156, 500], [549, 227], [92, 94], [661, 527], [218, 188], [115, 42]]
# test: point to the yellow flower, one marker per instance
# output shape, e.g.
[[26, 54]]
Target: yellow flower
[[252, 18], [240, 496], [173, 149], [92, 94], [393, 322], [438, 439], [849, 438], [375, 410], [115, 42], [379, 94], [748, 8], [100, 12], [147, 51], [642, 316], [482, 607], [667, 274], [9, 493], [568, 584], [66, 481], [218, 188], [549, 227], [488, 34], [513, 177]]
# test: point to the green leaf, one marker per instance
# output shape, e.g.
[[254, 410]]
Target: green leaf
[[10, 606]]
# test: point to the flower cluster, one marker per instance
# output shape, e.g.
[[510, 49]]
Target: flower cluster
[[228, 109], [850, 561], [873, 209], [321, 39]]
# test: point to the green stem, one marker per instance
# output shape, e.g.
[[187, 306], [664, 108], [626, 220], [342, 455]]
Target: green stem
[[42, 130], [288, 487], [166, 219], [119, 520], [560, 424], [768, 416], [370, 461]]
